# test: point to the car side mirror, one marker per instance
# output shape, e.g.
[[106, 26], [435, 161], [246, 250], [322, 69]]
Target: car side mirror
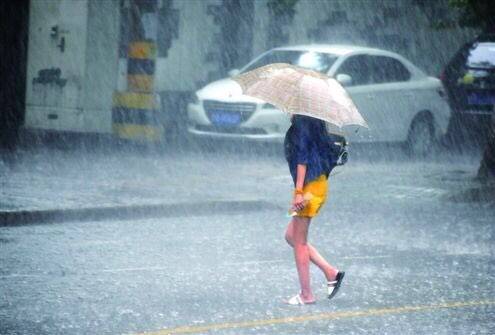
[[344, 79], [234, 72]]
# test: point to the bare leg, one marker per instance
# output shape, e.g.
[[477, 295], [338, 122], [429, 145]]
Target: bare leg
[[301, 255], [315, 257]]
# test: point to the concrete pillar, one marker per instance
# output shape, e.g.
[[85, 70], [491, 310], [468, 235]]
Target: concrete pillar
[[135, 111]]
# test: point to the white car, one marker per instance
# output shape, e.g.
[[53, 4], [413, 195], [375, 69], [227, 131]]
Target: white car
[[398, 100]]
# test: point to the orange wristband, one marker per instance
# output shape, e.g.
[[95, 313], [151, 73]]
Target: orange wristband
[[298, 191]]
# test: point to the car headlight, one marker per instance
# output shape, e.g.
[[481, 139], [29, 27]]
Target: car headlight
[[268, 106]]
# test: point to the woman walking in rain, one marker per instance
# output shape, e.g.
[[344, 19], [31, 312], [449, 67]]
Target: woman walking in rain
[[306, 151], [310, 97]]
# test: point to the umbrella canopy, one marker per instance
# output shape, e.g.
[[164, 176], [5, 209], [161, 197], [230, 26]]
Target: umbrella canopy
[[296, 90]]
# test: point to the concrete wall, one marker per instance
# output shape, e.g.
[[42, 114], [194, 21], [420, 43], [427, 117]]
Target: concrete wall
[[400, 26], [43, 53], [100, 78], [187, 63], [261, 20], [89, 65], [73, 91]]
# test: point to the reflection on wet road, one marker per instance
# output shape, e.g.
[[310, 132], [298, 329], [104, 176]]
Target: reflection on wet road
[[418, 259]]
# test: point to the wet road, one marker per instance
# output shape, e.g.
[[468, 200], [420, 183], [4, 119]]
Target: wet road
[[416, 261]]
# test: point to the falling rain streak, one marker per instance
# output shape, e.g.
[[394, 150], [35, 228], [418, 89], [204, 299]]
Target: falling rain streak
[[143, 190]]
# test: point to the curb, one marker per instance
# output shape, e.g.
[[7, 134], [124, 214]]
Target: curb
[[25, 217]]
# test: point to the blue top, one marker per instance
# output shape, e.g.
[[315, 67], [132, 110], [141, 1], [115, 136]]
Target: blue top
[[306, 142]]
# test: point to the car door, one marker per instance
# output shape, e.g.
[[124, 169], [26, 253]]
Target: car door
[[393, 97], [357, 67]]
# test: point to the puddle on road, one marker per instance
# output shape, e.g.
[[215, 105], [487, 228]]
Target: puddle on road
[[481, 194]]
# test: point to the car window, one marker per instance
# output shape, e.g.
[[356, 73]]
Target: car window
[[481, 55], [388, 70], [358, 68], [317, 61]]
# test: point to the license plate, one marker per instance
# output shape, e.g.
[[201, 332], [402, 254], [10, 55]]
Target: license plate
[[481, 99], [225, 119]]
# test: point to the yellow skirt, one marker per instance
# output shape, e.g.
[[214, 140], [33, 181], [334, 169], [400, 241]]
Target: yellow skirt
[[315, 194]]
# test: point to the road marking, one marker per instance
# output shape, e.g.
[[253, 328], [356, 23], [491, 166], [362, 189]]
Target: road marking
[[117, 270], [284, 261], [19, 275], [366, 257], [88, 273], [318, 317], [161, 268], [255, 262], [150, 268]]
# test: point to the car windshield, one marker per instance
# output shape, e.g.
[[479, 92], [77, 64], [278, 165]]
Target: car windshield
[[316, 61], [482, 55]]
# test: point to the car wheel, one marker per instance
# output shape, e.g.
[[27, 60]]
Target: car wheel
[[421, 138]]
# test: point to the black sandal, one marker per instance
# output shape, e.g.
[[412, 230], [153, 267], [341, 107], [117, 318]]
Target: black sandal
[[333, 286]]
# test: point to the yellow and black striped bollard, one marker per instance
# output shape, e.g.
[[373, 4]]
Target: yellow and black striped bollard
[[135, 112]]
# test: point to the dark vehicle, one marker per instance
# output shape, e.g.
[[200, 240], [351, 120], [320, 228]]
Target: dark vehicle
[[469, 79]]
